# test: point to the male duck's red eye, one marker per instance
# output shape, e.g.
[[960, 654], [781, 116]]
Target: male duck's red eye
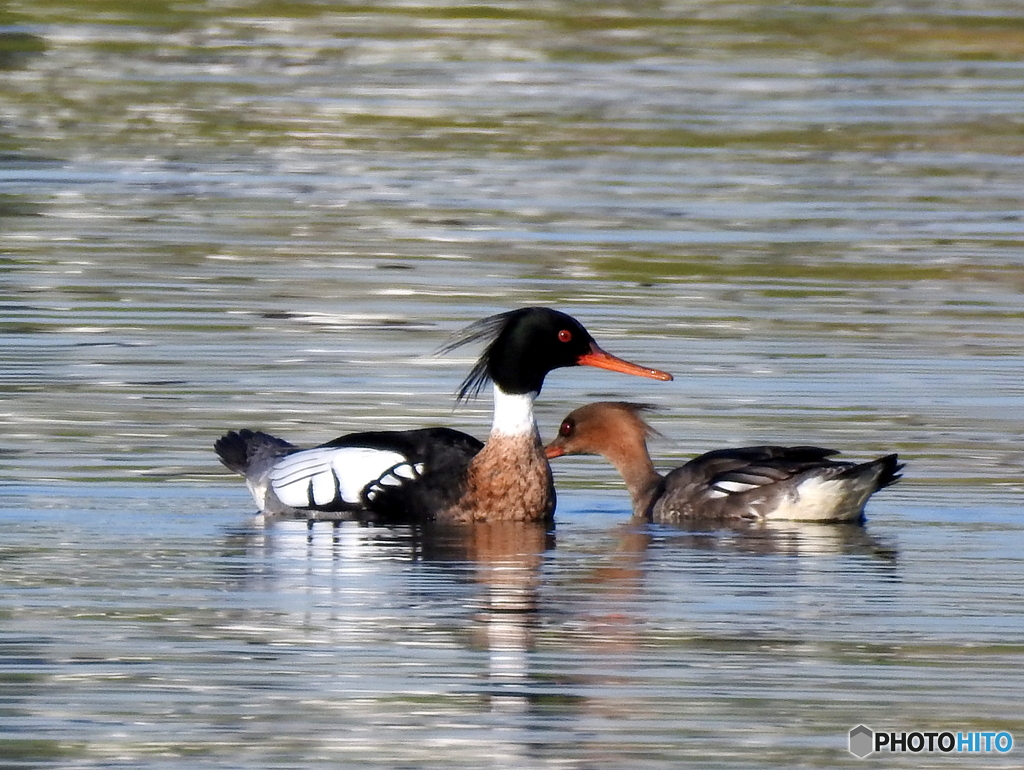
[[565, 335]]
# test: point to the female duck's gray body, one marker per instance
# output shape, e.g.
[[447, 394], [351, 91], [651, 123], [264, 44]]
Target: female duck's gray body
[[798, 483], [436, 474]]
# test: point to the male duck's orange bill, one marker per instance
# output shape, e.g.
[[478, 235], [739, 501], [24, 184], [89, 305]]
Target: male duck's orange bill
[[597, 357]]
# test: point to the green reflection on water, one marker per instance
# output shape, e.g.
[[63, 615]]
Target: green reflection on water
[[153, 107], [575, 31]]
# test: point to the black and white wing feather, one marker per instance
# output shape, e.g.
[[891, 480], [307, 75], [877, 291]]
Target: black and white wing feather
[[331, 478], [392, 476]]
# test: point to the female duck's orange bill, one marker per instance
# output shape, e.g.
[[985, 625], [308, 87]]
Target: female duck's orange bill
[[600, 359]]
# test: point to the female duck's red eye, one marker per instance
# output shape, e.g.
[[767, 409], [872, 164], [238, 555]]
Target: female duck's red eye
[[566, 428], [565, 335]]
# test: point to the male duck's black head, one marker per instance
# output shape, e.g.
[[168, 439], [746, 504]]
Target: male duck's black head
[[527, 343]]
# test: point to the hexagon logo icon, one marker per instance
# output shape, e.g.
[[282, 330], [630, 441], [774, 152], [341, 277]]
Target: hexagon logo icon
[[862, 741]]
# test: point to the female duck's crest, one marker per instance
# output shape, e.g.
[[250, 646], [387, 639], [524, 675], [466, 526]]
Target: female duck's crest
[[603, 423], [526, 344]]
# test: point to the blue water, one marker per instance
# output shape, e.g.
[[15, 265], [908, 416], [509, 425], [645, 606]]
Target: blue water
[[153, 625], [220, 217]]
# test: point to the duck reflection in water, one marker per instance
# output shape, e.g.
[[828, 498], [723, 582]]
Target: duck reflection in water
[[507, 558], [456, 614], [368, 585]]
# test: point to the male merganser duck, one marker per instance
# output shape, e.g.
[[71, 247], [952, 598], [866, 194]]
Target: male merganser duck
[[436, 474], [754, 483]]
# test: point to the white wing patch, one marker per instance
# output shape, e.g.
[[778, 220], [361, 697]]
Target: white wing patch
[[394, 477], [726, 488], [325, 475]]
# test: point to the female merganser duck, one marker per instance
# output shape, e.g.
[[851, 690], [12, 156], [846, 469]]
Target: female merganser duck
[[437, 474], [754, 483]]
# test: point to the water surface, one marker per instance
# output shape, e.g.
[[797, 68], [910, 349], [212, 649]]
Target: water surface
[[269, 216]]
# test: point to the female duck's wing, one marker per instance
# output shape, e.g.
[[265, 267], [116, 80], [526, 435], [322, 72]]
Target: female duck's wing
[[772, 482]]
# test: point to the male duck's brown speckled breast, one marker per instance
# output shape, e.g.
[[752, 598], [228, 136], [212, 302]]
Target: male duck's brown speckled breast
[[509, 480]]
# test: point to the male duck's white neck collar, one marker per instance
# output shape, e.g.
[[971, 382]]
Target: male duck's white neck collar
[[513, 413]]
